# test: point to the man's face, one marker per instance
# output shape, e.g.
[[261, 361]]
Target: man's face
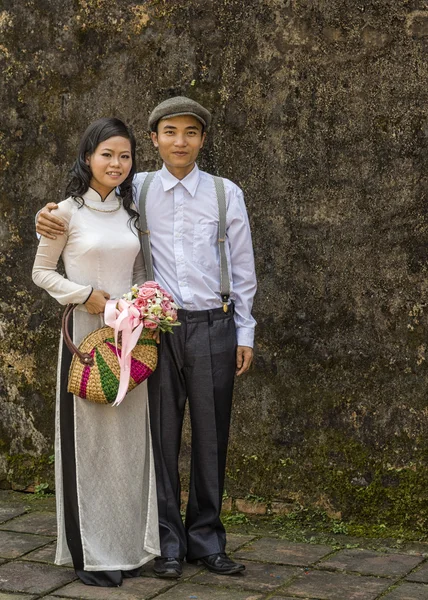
[[179, 140]]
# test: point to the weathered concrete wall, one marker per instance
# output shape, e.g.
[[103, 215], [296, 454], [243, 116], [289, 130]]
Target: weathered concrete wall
[[320, 115]]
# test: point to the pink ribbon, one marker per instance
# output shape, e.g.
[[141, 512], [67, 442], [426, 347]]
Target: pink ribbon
[[128, 322]]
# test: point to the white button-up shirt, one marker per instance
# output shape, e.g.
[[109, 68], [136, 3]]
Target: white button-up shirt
[[182, 216]]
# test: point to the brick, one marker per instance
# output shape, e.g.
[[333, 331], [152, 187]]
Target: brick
[[188, 591], [44, 555], [421, 575], [337, 586], [9, 512], [235, 541], [33, 578], [367, 562], [13, 545], [283, 552], [15, 597], [408, 591], [260, 577], [227, 504], [138, 588], [38, 523], [251, 508], [281, 508]]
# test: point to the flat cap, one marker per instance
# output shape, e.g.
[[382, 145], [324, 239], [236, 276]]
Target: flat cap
[[177, 106]]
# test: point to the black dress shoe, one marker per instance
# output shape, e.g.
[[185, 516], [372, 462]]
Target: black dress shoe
[[168, 567], [220, 564]]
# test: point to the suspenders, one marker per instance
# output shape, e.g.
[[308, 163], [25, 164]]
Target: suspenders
[[145, 235]]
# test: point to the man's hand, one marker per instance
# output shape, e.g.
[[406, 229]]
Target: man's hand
[[244, 358], [96, 302], [48, 225]]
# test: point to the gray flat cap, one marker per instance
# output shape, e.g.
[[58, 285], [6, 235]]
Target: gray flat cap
[[175, 107]]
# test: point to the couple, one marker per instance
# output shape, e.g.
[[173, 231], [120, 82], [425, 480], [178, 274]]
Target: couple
[[117, 479]]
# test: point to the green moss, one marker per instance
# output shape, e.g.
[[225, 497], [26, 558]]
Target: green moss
[[338, 475], [25, 470]]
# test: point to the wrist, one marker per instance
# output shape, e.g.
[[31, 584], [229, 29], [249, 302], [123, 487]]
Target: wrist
[[90, 294]]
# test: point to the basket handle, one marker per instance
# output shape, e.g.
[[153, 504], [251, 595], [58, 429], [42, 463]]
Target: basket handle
[[85, 359]]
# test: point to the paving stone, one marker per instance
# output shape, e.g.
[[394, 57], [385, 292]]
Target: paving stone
[[44, 555], [13, 545], [420, 575], [337, 586], [137, 588], [367, 562], [40, 523], [283, 552], [9, 512], [235, 541], [15, 597], [261, 577], [408, 591], [188, 591], [33, 577]]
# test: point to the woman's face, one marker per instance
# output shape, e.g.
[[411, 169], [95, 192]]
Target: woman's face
[[110, 164]]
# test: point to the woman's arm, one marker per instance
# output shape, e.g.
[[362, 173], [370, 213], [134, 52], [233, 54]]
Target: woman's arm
[[45, 273]]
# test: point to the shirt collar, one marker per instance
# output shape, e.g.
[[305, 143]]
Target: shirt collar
[[94, 196], [190, 182]]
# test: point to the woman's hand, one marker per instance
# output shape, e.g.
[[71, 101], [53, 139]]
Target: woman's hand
[[96, 302]]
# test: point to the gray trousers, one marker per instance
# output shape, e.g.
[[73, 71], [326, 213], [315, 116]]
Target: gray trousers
[[196, 362]]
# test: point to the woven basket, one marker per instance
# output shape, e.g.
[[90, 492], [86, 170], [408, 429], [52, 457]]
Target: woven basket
[[94, 371]]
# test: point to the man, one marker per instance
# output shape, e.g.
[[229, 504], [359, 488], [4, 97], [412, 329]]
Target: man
[[214, 342]]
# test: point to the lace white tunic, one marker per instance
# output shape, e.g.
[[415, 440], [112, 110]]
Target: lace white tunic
[[115, 476]]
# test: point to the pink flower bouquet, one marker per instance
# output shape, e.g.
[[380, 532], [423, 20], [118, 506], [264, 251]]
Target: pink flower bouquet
[[152, 306], [146, 306]]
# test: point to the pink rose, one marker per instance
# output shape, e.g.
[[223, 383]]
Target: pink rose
[[140, 303], [166, 305], [150, 325], [151, 284], [147, 293]]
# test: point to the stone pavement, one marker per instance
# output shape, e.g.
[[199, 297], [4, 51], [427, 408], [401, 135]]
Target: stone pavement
[[277, 569]]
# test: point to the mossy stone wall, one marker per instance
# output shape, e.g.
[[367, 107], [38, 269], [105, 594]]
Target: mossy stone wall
[[320, 115]]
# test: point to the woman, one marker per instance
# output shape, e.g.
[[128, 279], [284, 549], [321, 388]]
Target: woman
[[104, 471]]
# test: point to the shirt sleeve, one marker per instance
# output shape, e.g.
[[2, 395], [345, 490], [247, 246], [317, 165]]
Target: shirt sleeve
[[45, 273], [242, 266]]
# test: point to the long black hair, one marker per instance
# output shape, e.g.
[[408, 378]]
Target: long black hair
[[80, 173]]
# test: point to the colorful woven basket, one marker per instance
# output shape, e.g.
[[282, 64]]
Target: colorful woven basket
[[94, 371]]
